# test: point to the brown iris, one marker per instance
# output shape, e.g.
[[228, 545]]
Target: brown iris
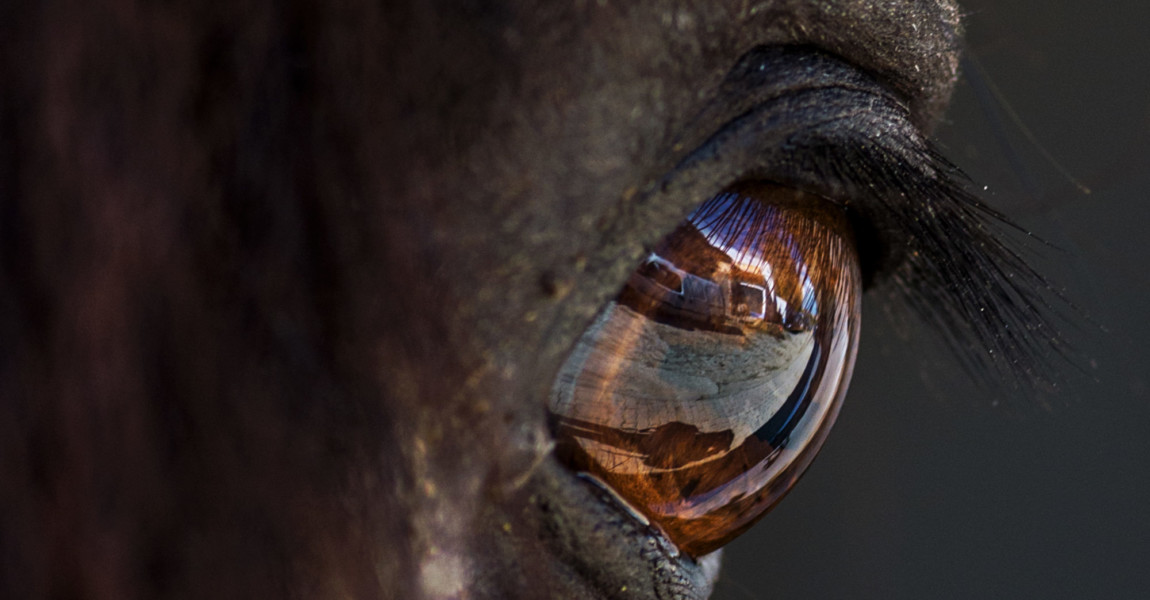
[[706, 388]]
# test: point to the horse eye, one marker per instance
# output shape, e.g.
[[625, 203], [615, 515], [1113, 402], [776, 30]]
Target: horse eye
[[704, 389]]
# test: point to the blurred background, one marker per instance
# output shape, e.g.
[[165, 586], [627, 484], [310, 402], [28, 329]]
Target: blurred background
[[926, 488]]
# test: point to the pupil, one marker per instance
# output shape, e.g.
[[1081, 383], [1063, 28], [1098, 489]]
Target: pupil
[[703, 391]]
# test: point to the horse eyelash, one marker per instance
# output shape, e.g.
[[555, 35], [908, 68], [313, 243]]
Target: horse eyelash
[[961, 272]]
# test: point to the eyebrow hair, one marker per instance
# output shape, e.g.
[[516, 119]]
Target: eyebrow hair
[[811, 120]]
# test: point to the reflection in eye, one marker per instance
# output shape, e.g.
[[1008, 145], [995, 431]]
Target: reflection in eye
[[705, 389]]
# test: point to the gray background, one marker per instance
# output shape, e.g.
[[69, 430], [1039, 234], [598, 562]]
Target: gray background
[[927, 490]]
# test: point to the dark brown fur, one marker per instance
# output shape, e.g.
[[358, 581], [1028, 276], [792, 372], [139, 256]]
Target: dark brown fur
[[282, 285]]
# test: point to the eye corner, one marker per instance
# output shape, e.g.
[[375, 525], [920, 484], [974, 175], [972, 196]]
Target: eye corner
[[878, 258]]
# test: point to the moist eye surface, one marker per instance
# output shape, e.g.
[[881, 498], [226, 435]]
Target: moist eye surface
[[705, 388]]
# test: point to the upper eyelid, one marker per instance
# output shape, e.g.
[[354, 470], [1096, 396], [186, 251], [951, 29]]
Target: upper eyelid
[[756, 78], [778, 110], [713, 149]]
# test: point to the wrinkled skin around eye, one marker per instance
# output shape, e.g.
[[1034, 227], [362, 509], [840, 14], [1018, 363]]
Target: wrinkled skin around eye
[[283, 288]]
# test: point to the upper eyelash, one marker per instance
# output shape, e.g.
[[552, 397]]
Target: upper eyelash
[[958, 270], [944, 253]]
